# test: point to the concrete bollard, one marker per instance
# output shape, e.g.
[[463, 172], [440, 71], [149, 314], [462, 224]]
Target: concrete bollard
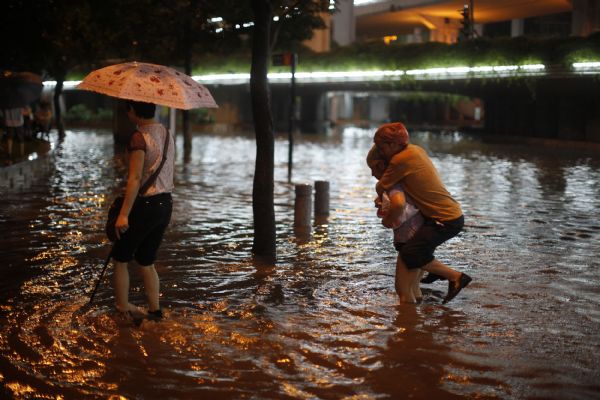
[[321, 198], [303, 205]]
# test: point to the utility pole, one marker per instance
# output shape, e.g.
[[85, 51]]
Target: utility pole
[[472, 17], [290, 59], [466, 31], [292, 119]]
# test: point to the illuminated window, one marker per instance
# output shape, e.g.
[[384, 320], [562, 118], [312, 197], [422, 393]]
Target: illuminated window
[[389, 39]]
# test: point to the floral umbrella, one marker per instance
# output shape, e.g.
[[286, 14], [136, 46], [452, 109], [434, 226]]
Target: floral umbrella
[[149, 83]]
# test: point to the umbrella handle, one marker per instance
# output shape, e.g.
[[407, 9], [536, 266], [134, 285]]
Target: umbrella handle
[[101, 276]]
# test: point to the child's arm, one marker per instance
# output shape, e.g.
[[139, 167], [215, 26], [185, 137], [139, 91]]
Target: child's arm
[[397, 203], [379, 206], [379, 189]]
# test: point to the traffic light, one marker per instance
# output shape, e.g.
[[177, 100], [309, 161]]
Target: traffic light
[[466, 30]]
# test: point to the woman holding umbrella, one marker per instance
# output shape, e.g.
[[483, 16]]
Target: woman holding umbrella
[[147, 205], [144, 216]]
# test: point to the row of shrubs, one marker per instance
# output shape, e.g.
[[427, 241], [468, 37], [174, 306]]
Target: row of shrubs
[[81, 113], [377, 55]]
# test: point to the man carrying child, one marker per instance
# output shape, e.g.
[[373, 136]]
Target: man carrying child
[[410, 166]]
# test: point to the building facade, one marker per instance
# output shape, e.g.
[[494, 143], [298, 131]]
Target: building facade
[[416, 21]]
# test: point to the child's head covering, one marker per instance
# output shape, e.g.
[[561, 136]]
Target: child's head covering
[[394, 132]]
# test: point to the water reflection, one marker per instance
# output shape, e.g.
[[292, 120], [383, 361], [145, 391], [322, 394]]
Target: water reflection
[[324, 322], [414, 361]]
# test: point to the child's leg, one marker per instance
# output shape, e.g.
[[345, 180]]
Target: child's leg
[[416, 285], [403, 282]]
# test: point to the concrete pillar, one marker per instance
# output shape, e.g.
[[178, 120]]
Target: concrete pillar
[[333, 110], [303, 206], [379, 109], [517, 27], [346, 106], [339, 107], [321, 198], [585, 17], [343, 24]]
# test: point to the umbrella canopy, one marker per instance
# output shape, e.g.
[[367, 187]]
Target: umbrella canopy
[[18, 89], [149, 83]]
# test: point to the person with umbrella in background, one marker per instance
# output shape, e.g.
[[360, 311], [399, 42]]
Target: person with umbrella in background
[[42, 119], [17, 90], [147, 204], [12, 119]]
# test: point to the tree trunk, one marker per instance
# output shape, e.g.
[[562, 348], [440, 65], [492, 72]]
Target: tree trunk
[[187, 132], [57, 110], [262, 192]]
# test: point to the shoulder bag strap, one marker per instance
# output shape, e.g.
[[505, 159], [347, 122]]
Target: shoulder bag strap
[[154, 175]]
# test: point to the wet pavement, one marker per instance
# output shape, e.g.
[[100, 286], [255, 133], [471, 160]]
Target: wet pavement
[[325, 321]]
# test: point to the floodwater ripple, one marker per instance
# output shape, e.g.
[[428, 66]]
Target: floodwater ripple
[[324, 322]]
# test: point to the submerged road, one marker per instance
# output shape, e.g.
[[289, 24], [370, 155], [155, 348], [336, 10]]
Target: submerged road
[[325, 321]]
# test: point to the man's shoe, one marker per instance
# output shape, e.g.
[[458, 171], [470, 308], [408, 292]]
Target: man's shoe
[[430, 278], [455, 287], [155, 315]]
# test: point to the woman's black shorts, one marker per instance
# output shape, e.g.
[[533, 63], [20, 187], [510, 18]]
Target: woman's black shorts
[[418, 250], [148, 219]]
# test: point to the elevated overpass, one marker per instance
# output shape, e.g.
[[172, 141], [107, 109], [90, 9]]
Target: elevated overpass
[[440, 20], [532, 100], [559, 101]]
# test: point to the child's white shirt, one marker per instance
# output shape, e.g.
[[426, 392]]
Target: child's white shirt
[[408, 222]]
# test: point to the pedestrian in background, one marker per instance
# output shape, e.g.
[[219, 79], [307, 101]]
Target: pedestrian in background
[[13, 126], [27, 122], [42, 119]]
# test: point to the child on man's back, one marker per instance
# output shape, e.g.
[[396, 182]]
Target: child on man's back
[[398, 213]]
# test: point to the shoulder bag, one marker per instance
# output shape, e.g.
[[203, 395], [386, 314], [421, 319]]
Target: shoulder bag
[[115, 207]]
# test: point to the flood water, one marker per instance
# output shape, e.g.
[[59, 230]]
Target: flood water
[[324, 322]]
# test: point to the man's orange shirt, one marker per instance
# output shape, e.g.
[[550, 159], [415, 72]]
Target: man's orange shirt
[[413, 168]]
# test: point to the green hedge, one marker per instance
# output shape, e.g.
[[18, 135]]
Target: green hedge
[[80, 112], [478, 52], [378, 56]]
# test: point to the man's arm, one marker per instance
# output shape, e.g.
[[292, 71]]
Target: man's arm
[[394, 173]]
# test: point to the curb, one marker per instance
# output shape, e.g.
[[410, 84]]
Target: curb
[[23, 174]]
